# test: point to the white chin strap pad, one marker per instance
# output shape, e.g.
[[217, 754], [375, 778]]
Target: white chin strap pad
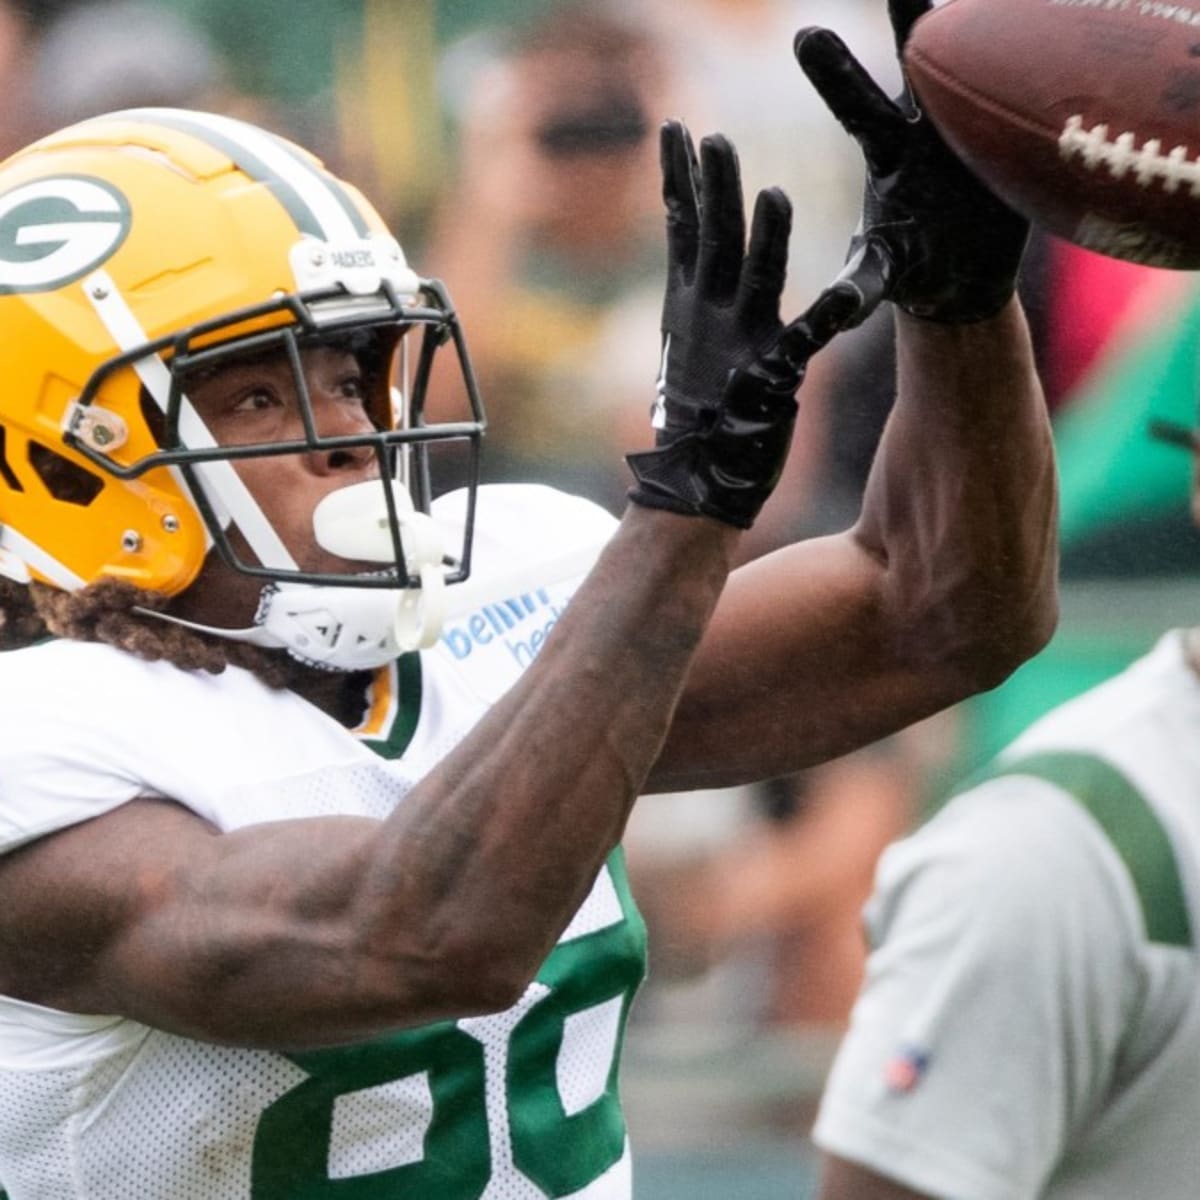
[[353, 524], [333, 628]]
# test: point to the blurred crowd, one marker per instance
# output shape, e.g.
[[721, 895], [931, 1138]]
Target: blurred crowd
[[513, 145]]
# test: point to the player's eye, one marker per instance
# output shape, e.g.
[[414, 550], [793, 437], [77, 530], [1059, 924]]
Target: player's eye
[[255, 400], [353, 387]]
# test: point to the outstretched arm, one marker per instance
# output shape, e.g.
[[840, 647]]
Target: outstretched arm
[[309, 932], [948, 580]]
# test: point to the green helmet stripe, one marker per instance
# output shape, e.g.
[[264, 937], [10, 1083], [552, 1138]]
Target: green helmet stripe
[[316, 201]]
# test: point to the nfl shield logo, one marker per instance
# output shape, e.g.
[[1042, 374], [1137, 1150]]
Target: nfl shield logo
[[904, 1071]]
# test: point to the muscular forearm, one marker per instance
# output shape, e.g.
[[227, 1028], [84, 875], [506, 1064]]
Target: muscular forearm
[[946, 583], [961, 504], [317, 931], [541, 790]]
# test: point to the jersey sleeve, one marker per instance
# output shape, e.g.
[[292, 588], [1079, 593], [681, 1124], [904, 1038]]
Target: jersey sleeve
[[55, 770], [532, 524], [533, 547], [1004, 941]]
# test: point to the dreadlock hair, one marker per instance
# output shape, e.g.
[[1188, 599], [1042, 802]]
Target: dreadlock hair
[[19, 623], [106, 611]]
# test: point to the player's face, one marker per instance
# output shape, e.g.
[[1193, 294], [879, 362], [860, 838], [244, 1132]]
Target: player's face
[[256, 401]]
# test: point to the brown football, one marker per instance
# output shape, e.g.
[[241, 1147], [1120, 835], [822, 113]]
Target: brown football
[[1082, 114]]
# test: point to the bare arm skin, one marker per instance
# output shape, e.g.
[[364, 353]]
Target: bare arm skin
[[945, 585], [326, 930]]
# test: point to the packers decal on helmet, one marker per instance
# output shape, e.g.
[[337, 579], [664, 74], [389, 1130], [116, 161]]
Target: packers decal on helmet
[[53, 231]]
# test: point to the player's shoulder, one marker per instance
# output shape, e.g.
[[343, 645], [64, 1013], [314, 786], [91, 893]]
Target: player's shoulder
[[529, 514], [1123, 709], [1029, 805], [1028, 815], [999, 834], [91, 683], [1083, 804], [532, 548], [56, 662], [1132, 735], [1008, 870], [65, 669]]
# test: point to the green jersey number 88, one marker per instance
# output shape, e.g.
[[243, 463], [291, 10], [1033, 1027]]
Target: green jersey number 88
[[465, 1100]]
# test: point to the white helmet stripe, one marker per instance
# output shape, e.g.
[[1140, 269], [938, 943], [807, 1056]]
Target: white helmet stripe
[[223, 487], [314, 199]]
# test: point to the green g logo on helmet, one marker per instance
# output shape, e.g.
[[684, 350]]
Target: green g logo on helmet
[[56, 230]]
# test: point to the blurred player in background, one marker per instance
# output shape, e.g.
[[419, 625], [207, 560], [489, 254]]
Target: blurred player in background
[[87, 63], [1029, 1024], [1029, 1021], [23, 25], [311, 878]]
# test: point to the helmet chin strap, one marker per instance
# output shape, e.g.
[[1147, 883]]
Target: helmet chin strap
[[348, 628]]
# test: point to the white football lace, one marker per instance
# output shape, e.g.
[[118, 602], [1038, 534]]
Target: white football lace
[[1122, 156]]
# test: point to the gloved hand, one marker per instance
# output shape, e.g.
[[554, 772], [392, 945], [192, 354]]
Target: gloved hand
[[726, 392], [932, 239]]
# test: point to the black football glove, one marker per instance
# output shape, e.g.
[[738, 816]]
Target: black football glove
[[932, 238], [726, 393]]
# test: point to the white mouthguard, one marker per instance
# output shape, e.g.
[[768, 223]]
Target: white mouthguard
[[353, 523]]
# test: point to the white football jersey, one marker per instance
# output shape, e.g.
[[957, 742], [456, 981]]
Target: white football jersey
[[515, 1106], [1030, 1021]]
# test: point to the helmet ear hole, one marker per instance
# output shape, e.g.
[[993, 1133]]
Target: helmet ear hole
[[65, 480]]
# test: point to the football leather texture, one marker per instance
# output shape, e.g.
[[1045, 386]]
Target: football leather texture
[[1084, 115]]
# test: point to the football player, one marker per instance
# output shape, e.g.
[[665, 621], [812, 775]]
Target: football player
[[1029, 1023], [312, 778]]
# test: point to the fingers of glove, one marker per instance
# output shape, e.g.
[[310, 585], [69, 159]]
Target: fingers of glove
[[866, 278], [854, 98], [904, 15], [680, 173], [838, 307], [765, 269], [722, 219]]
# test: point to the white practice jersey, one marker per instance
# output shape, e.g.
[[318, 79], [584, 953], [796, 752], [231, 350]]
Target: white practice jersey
[[515, 1106], [1030, 1022]]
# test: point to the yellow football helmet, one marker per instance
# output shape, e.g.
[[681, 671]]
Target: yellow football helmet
[[139, 245]]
